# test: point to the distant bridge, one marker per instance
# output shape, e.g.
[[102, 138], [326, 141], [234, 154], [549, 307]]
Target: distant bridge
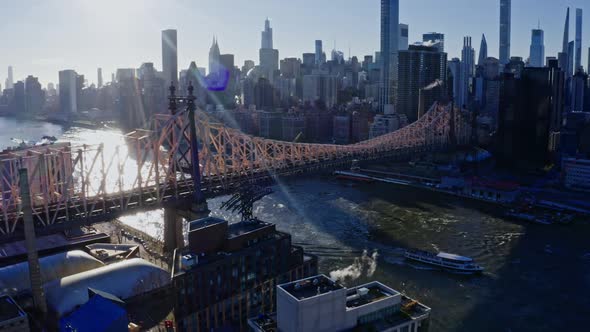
[[83, 184]]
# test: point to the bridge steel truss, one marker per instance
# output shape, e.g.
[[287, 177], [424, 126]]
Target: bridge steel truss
[[77, 183]]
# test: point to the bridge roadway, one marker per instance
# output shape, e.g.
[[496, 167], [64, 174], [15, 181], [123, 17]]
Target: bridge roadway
[[112, 206]]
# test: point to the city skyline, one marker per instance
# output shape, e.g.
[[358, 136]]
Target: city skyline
[[140, 42]]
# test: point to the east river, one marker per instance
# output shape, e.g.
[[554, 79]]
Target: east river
[[537, 277]]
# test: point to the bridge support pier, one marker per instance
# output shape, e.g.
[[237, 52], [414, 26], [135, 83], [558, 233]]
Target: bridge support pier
[[173, 237], [173, 223]]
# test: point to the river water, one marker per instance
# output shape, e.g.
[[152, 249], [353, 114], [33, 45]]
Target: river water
[[537, 277]]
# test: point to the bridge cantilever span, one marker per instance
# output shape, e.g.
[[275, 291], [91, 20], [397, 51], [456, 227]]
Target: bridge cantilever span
[[79, 183]]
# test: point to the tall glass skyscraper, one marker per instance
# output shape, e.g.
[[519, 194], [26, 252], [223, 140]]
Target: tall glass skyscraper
[[537, 54], [578, 61], [505, 16], [318, 52], [266, 42], [389, 49], [170, 57]]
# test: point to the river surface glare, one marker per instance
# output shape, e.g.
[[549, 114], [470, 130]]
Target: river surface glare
[[537, 277]]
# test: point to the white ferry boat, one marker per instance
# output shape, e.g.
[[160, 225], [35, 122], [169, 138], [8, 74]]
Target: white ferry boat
[[445, 260]]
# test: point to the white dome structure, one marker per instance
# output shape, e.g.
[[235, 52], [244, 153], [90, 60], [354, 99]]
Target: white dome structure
[[14, 279], [124, 280]]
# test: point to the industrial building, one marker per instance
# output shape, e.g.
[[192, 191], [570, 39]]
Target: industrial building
[[229, 272], [320, 304]]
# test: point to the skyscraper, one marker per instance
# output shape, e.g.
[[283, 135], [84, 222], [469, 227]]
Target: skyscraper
[[505, 16], [99, 74], [269, 57], [537, 54], [578, 61], [68, 92], [389, 49], [483, 51], [467, 70], [266, 35], [34, 96], [318, 52], [214, 58], [403, 37], [563, 55], [422, 69], [170, 57], [436, 38], [10, 79]]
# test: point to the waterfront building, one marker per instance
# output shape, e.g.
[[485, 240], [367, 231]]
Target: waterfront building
[[170, 57], [321, 304], [342, 129], [389, 50], [526, 114], [537, 51], [293, 127], [69, 92], [505, 18], [229, 272], [270, 124], [34, 96], [419, 68], [436, 39], [576, 173], [387, 123]]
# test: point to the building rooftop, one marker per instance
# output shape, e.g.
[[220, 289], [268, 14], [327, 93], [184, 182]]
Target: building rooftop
[[310, 287], [241, 228], [368, 293], [9, 309], [108, 251]]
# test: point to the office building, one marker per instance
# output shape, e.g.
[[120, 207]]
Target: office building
[[19, 107], [34, 96], [69, 92], [483, 50], [537, 54], [435, 38], [564, 56], [99, 78], [320, 86], [248, 64], [228, 272], [454, 79], [341, 131], [269, 57], [318, 52], [266, 36], [467, 72], [170, 57], [293, 127], [389, 50], [404, 32], [214, 58], [420, 67], [290, 68], [387, 123], [505, 18], [321, 304], [578, 51], [579, 86], [528, 107], [9, 84]]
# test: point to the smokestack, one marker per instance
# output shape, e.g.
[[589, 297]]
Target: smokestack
[[30, 242]]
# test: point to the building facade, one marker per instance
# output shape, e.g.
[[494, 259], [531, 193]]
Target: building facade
[[170, 57], [229, 272]]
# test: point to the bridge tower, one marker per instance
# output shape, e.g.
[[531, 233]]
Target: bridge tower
[[175, 213]]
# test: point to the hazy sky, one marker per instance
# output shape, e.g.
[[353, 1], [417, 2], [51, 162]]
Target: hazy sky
[[41, 37]]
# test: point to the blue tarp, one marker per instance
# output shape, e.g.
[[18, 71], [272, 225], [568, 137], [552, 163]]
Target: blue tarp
[[97, 315]]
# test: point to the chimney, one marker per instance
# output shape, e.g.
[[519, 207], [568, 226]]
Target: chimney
[[30, 242]]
